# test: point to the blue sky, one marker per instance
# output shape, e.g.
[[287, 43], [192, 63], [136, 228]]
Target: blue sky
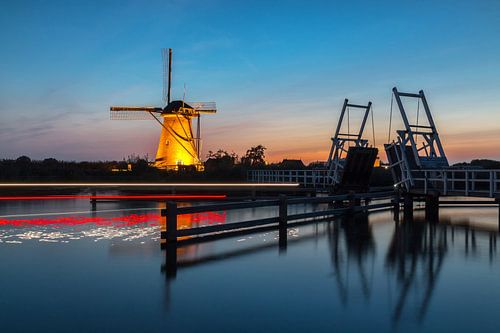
[[278, 70]]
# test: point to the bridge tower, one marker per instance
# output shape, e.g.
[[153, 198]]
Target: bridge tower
[[407, 154], [350, 160]]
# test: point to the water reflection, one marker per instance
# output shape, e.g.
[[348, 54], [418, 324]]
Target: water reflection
[[415, 256], [412, 257], [351, 241], [351, 274]]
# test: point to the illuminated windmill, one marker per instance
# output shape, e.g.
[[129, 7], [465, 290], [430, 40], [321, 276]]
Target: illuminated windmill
[[177, 146]]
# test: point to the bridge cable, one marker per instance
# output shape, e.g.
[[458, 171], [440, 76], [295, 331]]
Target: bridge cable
[[348, 127], [418, 111], [373, 127], [390, 120]]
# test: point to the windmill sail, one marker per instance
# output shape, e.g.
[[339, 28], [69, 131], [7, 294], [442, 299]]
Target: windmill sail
[[204, 107], [133, 112]]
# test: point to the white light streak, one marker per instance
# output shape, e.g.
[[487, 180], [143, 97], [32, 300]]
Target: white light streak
[[207, 185]]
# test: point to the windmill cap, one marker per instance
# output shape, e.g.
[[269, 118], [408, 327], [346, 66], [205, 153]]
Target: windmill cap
[[176, 106]]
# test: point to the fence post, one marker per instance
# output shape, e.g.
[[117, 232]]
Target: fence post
[[473, 182], [171, 222], [171, 260], [466, 183], [492, 183], [93, 200], [283, 219], [425, 182], [453, 180], [352, 202], [408, 207], [445, 182], [432, 208], [498, 202], [396, 203], [283, 211]]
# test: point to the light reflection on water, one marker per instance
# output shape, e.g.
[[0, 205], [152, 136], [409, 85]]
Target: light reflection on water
[[363, 273]]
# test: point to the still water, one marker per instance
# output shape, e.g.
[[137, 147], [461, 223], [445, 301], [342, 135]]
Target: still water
[[67, 269]]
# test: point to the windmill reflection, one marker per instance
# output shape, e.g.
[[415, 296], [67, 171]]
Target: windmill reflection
[[351, 241]]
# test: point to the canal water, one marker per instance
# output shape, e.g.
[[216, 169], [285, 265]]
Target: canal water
[[65, 268]]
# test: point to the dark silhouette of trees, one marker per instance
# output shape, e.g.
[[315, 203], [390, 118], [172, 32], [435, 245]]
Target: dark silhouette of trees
[[220, 159], [255, 156], [219, 166]]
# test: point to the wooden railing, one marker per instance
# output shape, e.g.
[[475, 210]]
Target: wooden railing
[[462, 182], [316, 178], [348, 203]]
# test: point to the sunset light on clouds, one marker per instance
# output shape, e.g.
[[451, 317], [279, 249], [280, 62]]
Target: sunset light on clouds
[[278, 71]]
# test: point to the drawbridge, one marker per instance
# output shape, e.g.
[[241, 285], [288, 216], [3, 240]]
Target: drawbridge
[[350, 161], [418, 162], [416, 157]]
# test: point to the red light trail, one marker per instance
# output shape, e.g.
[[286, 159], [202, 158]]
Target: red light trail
[[117, 221]]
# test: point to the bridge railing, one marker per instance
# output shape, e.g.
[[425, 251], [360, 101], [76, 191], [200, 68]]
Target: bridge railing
[[468, 182], [316, 178], [345, 203]]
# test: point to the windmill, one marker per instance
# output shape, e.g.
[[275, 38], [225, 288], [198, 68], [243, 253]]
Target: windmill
[[178, 145]]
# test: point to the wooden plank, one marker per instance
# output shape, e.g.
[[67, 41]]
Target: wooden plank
[[328, 212], [226, 226], [373, 195], [227, 206], [239, 228], [295, 201], [466, 202]]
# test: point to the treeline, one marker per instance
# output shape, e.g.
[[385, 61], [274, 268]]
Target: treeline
[[219, 166], [50, 169], [481, 164], [134, 168]]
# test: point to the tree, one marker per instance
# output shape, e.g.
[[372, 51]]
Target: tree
[[221, 154], [255, 156], [25, 160], [220, 160]]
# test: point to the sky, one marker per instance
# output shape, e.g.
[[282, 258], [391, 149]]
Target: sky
[[278, 70]]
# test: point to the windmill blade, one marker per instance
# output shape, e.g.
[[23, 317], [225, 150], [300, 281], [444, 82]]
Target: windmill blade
[[166, 55], [203, 107], [133, 112]]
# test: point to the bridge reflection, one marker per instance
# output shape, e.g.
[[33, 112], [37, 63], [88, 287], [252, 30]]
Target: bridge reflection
[[415, 256], [351, 240], [412, 258]]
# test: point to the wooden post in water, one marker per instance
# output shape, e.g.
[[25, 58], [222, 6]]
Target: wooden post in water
[[171, 260], [498, 202], [352, 202], [396, 207], [408, 206], [253, 194], [283, 220], [432, 208], [93, 200], [171, 222]]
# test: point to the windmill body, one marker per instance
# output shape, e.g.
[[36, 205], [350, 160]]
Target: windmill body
[[174, 149], [178, 146]]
